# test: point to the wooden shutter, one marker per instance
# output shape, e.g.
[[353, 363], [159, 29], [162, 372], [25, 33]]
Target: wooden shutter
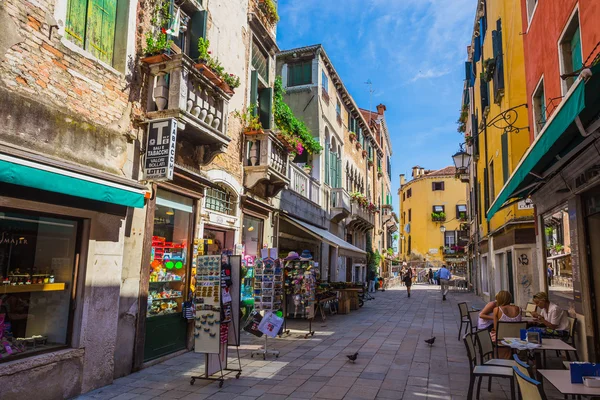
[[327, 163], [486, 190], [100, 32], [339, 171], [76, 17], [497, 51], [254, 90], [197, 27], [484, 92], [265, 103], [505, 170], [306, 72]]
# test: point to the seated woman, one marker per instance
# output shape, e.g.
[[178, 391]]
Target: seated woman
[[550, 316], [486, 316], [504, 312]]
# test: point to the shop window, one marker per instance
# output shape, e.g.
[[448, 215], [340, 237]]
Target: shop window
[[570, 53], [300, 73], [437, 186], [539, 108], [252, 234], [37, 258], [221, 200], [91, 25]]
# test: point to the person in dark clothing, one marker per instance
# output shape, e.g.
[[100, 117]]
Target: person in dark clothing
[[430, 276], [407, 278]]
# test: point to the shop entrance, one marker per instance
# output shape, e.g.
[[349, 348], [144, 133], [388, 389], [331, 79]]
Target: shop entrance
[[166, 329], [593, 231], [220, 241]]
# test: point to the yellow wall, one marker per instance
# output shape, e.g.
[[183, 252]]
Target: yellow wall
[[425, 234], [509, 11]]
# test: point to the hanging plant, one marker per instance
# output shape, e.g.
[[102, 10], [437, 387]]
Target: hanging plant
[[291, 127], [269, 10], [352, 136], [250, 122], [489, 66]]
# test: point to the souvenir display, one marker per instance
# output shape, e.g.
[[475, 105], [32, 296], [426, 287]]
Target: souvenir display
[[268, 284], [167, 276], [300, 282], [207, 324]]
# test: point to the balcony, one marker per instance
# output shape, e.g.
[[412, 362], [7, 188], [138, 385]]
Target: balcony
[[304, 185], [340, 204], [265, 165], [178, 90], [360, 218]]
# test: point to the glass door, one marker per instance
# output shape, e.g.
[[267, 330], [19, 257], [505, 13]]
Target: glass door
[[166, 329]]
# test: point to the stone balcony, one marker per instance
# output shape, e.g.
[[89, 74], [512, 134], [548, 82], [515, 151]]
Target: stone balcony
[[179, 90], [265, 165], [360, 218], [340, 204]]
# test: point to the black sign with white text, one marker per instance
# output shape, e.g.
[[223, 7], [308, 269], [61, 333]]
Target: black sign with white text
[[160, 150]]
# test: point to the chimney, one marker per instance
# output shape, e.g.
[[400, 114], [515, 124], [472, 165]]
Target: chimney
[[402, 179], [415, 172], [381, 109], [422, 172]]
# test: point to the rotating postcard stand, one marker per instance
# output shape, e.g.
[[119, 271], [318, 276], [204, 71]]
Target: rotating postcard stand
[[213, 313], [268, 293], [300, 282]]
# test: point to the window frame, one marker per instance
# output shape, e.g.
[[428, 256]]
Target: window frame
[[324, 81], [410, 215], [531, 13], [458, 211], [439, 188], [565, 85], [230, 203], [290, 68], [537, 129], [491, 184], [409, 193]]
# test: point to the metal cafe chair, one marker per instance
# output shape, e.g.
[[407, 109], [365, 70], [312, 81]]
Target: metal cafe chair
[[529, 388], [507, 330], [464, 318], [473, 320], [484, 371], [486, 353]]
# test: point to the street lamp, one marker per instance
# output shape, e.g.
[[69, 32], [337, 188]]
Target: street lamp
[[442, 229], [461, 159]]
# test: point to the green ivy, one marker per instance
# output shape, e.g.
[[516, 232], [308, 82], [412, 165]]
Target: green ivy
[[290, 126]]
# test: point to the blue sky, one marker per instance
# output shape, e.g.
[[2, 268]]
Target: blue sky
[[413, 51]]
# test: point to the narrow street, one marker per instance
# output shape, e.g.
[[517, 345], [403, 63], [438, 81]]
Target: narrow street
[[393, 362]]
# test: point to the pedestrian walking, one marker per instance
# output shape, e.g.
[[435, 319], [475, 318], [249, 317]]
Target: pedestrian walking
[[430, 276], [371, 279], [414, 274], [550, 275], [407, 279], [445, 277]]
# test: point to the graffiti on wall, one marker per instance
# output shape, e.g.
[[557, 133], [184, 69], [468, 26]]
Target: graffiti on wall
[[525, 274]]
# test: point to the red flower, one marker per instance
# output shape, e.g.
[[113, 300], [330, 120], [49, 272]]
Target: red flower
[[163, 30], [209, 52]]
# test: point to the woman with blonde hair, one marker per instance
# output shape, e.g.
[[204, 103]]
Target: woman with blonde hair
[[504, 312]]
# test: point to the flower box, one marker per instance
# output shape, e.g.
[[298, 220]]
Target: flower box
[[379, 174], [364, 154], [250, 132], [155, 59], [370, 163], [358, 146], [352, 137]]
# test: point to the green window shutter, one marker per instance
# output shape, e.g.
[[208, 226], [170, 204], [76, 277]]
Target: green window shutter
[[486, 190], [576, 50], [100, 33], [333, 168], [75, 26], [197, 27], [265, 104], [339, 172], [505, 171], [254, 90], [307, 73], [327, 163]]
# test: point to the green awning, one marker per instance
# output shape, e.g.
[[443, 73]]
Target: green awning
[[559, 136], [22, 172]]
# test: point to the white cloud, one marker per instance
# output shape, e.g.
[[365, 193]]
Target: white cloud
[[429, 74]]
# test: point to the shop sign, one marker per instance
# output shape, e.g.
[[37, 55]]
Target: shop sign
[[525, 205], [159, 160]]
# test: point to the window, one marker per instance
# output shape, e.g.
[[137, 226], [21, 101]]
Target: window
[[324, 82], [409, 193], [450, 241], [539, 108], [438, 209], [409, 247], [498, 77], [409, 215], [505, 160], [220, 200], [461, 212], [260, 62], [435, 186], [531, 6], [252, 234], [484, 92], [484, 275], [91, 25], [570, 52], [37, 258], [404, 196], [300, 73], [491, 182], [262, 96], [338, 110]]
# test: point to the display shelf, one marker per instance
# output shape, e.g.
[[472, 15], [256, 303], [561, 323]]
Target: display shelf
[[168, 298], [173, 281], [36, 287]]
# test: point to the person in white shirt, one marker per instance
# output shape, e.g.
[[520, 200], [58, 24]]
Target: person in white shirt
[[550, 314], [486, 316]]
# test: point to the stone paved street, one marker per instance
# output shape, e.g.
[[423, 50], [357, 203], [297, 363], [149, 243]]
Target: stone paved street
[[393, 362]]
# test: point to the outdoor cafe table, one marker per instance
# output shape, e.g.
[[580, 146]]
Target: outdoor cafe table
[[547, 345], [561, 380]]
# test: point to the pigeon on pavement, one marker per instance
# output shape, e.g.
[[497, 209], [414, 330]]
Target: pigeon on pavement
[[430, 341], [353, 357]]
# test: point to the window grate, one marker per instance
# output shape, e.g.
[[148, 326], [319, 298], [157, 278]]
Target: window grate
[[220, 201]]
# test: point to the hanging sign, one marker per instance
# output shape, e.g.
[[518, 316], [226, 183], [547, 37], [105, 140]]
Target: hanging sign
[[159, 161]]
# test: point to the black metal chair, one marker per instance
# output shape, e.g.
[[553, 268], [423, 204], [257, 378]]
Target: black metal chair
[[464, 318], [484, 371]]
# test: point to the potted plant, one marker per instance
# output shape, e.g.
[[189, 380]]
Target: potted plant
[[269, 10], [469, 140], [307, 168], [358, 146], [352, 136], [250, 122], [370, 162], [211, 68], [364, 154], [379, 172], [157, 43]]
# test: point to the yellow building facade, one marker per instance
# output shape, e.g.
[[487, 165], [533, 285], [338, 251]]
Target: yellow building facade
[[433, 214], [496, 131]]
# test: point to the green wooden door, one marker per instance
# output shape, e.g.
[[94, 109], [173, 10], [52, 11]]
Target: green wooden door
[[165, 334]]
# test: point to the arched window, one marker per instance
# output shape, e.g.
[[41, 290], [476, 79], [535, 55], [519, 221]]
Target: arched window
[[221, 199]]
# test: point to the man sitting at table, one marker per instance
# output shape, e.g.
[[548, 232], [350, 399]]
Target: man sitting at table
[[550, 315]]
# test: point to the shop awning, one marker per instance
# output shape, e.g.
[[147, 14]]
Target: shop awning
[[23, 172], [345, 248], [557, 140]]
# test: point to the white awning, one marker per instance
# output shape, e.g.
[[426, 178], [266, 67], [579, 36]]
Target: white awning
[[345, 248]]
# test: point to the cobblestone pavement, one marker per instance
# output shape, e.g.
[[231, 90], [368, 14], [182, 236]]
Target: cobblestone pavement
[[393, 362]]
